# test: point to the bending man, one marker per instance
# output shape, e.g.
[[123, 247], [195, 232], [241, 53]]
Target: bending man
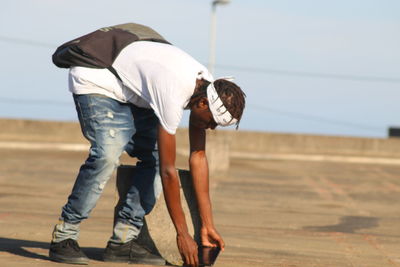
[[139, 112]]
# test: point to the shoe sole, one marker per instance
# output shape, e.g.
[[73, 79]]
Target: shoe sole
[[149, 262], [134, 261], [115, 259], [58, 258]]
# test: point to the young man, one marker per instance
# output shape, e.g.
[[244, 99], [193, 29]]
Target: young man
[[139, 112]]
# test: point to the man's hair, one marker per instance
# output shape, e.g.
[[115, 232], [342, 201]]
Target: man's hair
[[231, 95]]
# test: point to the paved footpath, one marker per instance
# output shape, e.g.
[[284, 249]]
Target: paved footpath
[[270, 212]]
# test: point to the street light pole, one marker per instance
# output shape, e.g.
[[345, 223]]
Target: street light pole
[[218, 152], [213, 32]]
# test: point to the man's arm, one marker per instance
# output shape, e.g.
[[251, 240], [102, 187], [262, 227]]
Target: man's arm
[[199, 171], [167, 151]]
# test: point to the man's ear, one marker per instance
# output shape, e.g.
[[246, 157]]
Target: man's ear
[[203, 103]]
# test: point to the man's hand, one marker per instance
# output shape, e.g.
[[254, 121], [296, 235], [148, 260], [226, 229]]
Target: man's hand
[[188, 249], [211, 238]]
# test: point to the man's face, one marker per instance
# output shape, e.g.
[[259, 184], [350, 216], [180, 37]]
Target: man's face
[[201, 116]]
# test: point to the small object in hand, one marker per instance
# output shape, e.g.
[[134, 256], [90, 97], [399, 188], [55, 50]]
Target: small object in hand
[[208, 255]]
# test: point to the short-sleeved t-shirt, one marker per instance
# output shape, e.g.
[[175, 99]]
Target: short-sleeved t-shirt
[[154, 75]]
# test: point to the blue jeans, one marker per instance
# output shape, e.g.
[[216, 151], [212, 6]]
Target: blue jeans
[[113, 127]]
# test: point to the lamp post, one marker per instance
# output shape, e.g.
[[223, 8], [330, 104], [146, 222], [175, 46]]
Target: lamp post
[[218, 152], [213, 32]]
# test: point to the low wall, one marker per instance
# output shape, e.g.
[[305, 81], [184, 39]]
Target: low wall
[[313, 144], [239, 141], [279, 143], [40, 131]]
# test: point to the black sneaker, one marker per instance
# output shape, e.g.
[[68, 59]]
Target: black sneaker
[[131, 252], [67, 251]]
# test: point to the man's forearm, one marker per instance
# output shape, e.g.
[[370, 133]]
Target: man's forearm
[[169, 178], [173, 201], [199, 170]]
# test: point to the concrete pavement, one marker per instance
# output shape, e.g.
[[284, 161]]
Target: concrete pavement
[[270, 212]]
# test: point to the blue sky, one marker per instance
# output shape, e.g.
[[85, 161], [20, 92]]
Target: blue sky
[[317, 67]]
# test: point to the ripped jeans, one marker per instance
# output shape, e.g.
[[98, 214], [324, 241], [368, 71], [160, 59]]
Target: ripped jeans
[[111, 128]]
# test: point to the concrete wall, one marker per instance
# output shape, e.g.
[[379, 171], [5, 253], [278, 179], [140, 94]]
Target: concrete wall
[[279, 143], [40, 131], [312, 144], [239, 141]]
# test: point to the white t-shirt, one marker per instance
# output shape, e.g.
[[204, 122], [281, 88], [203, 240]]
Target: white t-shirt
[[154, 75]]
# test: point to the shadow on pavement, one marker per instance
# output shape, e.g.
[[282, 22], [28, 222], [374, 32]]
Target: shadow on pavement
[[22, 248], [348, 224]]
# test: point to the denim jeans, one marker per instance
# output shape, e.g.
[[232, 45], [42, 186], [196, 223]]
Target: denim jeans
[[113, 127]]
